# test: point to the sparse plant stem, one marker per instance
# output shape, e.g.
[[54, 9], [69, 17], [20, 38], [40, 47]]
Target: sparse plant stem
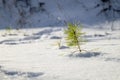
[[79, 48], [77, 40], [59, 44]]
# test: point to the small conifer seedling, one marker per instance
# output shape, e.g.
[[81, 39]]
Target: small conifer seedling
[[74, 36], [8, 29]]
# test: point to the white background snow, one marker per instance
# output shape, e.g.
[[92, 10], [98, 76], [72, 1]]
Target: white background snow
[[33, 53]]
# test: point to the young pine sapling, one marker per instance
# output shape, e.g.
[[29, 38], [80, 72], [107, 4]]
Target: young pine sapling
[[74, 36]]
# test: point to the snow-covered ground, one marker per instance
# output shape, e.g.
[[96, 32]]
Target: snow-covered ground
[[33, 54], [56, 12]]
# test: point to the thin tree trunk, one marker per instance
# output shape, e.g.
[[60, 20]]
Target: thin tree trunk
[[77, 41], [79, 47]]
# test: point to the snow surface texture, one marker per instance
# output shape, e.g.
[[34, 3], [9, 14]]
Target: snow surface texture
[[51, 13], [33, 54]]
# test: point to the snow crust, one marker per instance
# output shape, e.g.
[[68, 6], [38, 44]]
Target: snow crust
[[33, 54]]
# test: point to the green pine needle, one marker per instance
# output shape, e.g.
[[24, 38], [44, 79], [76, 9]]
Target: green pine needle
[[74, 35]]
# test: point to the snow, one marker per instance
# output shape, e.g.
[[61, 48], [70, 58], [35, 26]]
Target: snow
[[33, 54], [56, 12]]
